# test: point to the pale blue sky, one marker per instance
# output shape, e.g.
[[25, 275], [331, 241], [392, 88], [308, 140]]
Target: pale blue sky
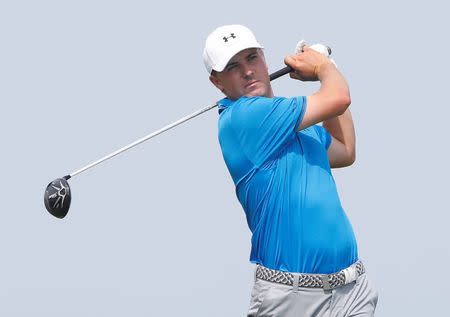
[[158, 231]]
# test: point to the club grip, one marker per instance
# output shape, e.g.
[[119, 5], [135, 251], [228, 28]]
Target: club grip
[[281, 72]]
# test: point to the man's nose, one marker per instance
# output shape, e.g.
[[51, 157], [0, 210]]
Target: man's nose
[[248, 71]]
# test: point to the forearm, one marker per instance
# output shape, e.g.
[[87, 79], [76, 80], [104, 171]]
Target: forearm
[[333, 85], [331, 100], [333, 97], [342, 129]]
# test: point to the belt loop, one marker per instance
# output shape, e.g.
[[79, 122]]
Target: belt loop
[[295, 282], [351, 273]]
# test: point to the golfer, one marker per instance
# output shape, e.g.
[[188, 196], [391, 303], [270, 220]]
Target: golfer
[[302, 242]]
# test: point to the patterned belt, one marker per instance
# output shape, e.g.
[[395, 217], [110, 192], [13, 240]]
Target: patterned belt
[[325, 281]]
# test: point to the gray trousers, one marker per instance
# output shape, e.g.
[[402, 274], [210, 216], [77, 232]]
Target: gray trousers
[[358, 298]]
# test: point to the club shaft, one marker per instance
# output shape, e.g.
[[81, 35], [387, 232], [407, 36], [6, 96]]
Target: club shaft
[[281, 72], [145, 138], [273, 76]]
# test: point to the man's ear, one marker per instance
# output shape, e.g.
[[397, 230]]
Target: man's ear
[[216, 82], [264, 58]]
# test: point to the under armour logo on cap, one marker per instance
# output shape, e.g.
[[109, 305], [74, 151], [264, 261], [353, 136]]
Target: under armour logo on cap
[[225, 42], [232, 36]]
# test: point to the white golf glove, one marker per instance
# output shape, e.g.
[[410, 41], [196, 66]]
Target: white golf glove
[[317, 47]]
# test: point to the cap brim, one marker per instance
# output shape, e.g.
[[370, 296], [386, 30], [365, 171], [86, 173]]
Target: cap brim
[[221, 66]]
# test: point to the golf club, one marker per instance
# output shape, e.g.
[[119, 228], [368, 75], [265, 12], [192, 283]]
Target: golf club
[[57, 196]]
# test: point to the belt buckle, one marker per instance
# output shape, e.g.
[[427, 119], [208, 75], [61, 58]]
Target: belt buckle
[[326, 282]]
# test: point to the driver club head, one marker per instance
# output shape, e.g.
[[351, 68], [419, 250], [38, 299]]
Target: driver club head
[[57, 198]]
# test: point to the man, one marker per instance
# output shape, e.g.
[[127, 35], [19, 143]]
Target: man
[[280, 159]]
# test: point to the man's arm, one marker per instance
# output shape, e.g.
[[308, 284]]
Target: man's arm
[[333, 97], [341, 152]]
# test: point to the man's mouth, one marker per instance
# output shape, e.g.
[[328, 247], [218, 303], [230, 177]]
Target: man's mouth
[[250, 84]]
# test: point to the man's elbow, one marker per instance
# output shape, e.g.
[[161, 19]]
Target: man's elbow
[[343, 101], [351, 157], [343, 163], [346, 158]]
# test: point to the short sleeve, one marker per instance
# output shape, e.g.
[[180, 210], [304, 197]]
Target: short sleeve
[[265, 125], [324, 136]]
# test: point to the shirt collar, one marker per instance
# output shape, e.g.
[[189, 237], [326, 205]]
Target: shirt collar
[[226, 103]]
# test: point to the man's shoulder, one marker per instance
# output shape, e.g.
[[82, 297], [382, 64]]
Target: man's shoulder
[[251, 111], [226, 103], [251, 104]]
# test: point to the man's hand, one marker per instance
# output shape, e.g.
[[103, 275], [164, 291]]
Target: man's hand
[[333, 97], [308, 65]]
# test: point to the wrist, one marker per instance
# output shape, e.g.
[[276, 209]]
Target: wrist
[[321, 70]]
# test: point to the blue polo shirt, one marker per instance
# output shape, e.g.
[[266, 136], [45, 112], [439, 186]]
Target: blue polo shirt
[[285, 186]]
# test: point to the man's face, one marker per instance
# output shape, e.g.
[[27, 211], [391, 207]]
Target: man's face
[[246, 74]]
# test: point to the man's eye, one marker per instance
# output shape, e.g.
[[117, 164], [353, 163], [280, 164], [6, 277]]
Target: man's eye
[[253, 56], [230, 67]]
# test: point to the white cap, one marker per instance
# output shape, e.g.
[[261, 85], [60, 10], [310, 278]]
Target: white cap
[[225, 42]]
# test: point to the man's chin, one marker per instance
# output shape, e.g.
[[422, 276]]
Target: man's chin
[[256, 92]]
